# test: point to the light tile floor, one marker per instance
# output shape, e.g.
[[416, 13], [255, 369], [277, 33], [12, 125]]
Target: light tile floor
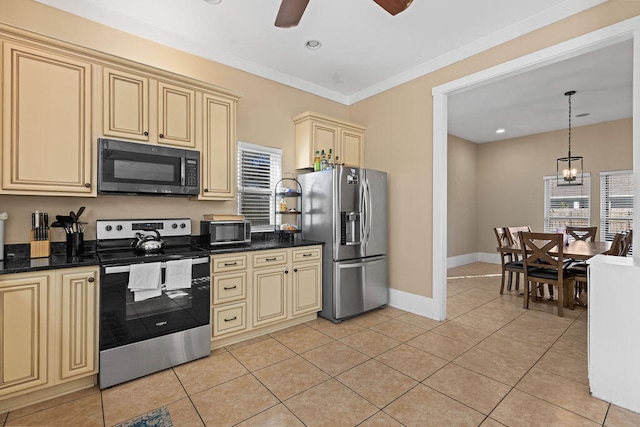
[[491, 363]]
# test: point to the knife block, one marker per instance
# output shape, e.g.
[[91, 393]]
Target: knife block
[[40, 248]]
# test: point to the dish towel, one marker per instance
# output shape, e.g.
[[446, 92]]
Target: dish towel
[[144, 280], [178, 274]]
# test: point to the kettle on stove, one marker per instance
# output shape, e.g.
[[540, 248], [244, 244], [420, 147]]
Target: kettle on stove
[[149, 243]]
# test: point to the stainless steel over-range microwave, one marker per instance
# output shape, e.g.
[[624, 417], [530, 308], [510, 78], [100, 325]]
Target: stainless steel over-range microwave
[[132, 168]]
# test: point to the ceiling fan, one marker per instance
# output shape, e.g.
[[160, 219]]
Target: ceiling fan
[[291, 10]]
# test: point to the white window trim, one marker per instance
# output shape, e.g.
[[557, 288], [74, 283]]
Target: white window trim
[[261, 149], [586, 177], [603, 201]]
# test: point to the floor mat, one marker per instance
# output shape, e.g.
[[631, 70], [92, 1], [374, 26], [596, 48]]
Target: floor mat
[[157, 418]]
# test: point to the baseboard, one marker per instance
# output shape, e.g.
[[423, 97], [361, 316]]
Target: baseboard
[[490, 258], [457, 261], [416, 304]]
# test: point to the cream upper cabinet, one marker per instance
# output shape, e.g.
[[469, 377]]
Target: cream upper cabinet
[[125, 109], [176, 115], [24, 317], [352, 147], [77, 310], [46, 125], [218, 148], [315, 132], [138, 107]]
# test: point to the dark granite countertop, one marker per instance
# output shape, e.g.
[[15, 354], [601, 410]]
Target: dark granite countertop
[[17, 258], [259, 244]]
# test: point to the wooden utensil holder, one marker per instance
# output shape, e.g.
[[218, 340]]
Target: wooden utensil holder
[[40, 248]]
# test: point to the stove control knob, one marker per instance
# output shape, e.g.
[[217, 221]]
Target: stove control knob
[[108, 228], [119, 228], [183, 225], [174, 225]]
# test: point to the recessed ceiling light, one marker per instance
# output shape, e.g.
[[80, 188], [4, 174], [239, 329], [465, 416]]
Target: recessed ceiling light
[[213, 1], [582, 114], [312, 44], [501, 130]]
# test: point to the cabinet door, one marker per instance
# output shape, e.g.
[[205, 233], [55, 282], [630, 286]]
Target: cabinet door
[[176, 115], [46, 137], [77, 302], [219, 148], [269, 295], [324, 137], [125, 105], [24, 316], [307, 288], [351, 147]]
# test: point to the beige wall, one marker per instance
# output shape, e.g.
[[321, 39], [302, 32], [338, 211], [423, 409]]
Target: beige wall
[[398, 121], [399, 139], [462, 200], [510, 184], [263, 117]]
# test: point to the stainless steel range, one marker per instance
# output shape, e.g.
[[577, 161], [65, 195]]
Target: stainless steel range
[[154, 297]]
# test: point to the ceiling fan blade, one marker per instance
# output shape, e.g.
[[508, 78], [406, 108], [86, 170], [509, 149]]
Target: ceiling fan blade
[[394, 6], [290, 13]]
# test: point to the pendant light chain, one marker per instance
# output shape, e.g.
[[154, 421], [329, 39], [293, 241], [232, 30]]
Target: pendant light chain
[[570, 125]]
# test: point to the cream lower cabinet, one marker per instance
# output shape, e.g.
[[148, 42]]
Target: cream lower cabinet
[[253, 293], [46, 124], [24, 309], [316, 132], [49, 329]]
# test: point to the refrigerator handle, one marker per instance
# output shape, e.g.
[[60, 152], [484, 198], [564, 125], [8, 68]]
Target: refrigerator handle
[[363, 213], [367, 212]]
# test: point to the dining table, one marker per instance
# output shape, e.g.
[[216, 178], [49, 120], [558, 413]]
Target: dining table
[[577, 249]]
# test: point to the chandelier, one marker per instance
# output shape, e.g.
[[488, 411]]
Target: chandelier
[[569, 169]]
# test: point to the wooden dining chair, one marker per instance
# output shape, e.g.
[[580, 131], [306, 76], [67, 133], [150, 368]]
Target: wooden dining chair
[[510, 264], [540, 266], [588, 234], [617, 247], [626, 243]]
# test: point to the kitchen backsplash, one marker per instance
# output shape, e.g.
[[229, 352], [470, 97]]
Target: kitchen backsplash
[[19, 209]]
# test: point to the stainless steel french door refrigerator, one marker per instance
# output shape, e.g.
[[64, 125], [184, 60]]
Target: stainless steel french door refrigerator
[[347, 209]]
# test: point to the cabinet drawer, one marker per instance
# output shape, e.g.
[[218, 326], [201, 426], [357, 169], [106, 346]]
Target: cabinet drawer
[[228, 263], [229, 318], [229, 287], [269, 258], [311, 253]]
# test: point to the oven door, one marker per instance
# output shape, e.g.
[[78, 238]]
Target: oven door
[[125, 321]]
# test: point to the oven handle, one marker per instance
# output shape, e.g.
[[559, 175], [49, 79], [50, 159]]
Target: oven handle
[[126, 268]]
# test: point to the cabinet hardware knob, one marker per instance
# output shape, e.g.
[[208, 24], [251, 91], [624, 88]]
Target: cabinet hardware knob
[[270, 259], [161, 135], [206, 190], [295, 270], [307, 254], [286, 272], [229, 320], [87, 185], [145, 133], [229, 288], [227, 264], [91, 279]]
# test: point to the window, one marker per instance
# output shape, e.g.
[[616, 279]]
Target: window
[[616, 203], [566, 204], [259, 169]]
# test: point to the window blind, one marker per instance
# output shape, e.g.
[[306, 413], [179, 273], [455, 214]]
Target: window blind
[[566, 205], [259, 169], [616, 203]]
